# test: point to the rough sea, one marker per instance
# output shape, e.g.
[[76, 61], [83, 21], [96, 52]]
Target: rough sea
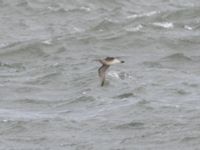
[[50, 93]]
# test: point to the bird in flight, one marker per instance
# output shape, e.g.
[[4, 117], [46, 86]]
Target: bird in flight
[[105, 65]]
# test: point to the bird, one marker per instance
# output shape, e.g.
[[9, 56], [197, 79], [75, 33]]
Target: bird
[[105, 65]]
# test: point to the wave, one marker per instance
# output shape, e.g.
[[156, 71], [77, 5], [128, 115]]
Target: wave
[[184, 14], [124, 95], [152, 64], [26, 49], [176, 60], [177, 57], [136, 125], [167, 25], [187, 27], [131, 28], [7, 69], [105, 24], [43, 78], [61, 9], [147, 14]]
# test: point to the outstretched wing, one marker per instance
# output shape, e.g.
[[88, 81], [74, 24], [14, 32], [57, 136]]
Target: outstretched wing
[[102, 73]]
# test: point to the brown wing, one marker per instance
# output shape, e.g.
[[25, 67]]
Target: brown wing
[[102, 73], [109, 58]]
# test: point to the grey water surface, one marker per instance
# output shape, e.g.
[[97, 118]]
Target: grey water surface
[[50, 93]]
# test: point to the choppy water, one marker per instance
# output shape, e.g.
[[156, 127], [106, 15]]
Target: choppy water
[[50, 94]]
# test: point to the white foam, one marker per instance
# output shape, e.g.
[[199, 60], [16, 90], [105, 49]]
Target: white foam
[[5, 120], [129, 76], [188, 27], [85, 8], [166, 25], [148, 14], [84, 93], [47, 42], [2, 45], [113, 74], [53, 8]]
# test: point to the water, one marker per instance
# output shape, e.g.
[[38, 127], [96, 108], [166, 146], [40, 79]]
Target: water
[[50, 94]]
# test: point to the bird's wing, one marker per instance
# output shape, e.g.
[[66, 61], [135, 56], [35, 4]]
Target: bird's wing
[[102, 73]]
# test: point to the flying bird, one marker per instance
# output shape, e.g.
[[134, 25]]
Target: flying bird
[[105, 65]]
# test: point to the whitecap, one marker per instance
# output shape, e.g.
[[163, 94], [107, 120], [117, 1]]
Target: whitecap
[[84, 93], [47, 42], [53, 8], [166, 25], [124, 75], [148, 14], [2, 45], [188, 27], [4, 120], [85, 8], [114, 74]]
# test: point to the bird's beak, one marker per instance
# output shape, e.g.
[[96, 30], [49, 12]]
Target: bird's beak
[[122, 61]]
